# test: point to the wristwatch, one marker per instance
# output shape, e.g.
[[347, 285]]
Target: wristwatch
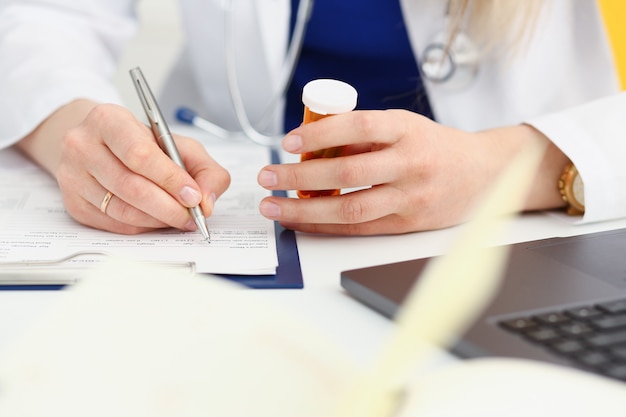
[[572, 190]]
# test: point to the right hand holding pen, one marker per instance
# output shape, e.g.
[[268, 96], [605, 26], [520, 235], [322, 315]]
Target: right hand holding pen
[[113, 152]]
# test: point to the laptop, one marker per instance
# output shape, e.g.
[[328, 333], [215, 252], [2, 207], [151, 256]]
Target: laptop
[[562, 300]]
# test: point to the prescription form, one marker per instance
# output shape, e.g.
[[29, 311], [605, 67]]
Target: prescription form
[[34, 225]]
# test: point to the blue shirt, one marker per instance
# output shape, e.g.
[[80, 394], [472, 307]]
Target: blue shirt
[[364, 43]]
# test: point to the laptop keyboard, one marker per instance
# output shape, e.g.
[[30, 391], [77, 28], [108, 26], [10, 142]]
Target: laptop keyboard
[[593, 337]]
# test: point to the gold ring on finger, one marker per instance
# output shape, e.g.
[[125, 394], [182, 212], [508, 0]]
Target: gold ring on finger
[[105, 202]]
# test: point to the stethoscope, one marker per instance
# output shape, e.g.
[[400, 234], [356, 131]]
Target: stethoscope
[[444, 64]]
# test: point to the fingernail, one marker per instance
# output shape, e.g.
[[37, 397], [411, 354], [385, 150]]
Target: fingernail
[[190, 196], [292, 143], [267, 178], [270, 210]]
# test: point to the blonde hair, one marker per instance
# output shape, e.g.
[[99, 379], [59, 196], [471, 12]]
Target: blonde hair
[[503, 24]]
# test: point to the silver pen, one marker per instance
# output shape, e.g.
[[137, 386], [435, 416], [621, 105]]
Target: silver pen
[[164, 137]]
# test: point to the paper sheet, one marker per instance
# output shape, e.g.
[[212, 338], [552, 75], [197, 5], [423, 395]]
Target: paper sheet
[[35, 226]]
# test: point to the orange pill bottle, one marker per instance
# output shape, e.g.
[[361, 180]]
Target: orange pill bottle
[[323, 98]]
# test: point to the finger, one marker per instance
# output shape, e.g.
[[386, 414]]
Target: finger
[[122, 212], [351, 208], [85, 212], [114, 215], [212, 178], [96, 195], [110, 219], [352, 128], [371, 168]]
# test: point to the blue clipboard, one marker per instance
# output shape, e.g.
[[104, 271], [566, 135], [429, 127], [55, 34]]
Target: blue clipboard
[[288, 273]]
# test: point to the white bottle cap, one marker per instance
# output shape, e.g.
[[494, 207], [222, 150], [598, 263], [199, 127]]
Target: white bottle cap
[[326, 96]]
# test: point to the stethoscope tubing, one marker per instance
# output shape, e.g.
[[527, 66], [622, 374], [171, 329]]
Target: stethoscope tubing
[[440, 68], [187, 116]]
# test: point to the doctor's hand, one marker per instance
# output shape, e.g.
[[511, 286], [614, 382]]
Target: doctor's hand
[[409, 173], [109, 151]]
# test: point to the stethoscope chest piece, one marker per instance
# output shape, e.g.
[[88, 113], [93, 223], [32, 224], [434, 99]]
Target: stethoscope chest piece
[[452, 66]]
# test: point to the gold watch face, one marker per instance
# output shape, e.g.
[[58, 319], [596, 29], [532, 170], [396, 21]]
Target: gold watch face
[[578, 190], [572, 190]]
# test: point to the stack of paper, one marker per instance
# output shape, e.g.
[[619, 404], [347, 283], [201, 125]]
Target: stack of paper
[[34, 225]]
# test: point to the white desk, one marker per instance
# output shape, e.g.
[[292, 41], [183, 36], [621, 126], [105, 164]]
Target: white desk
[[357, 329]]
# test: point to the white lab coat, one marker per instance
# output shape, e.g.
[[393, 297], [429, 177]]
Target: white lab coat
[[563, 82]]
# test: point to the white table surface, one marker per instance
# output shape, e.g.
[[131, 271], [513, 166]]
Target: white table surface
[[322, 302]]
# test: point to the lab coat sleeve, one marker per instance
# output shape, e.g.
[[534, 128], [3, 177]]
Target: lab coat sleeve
[[593, 136], [55, 51]]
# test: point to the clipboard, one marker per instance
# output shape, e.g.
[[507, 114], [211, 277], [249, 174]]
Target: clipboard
[[288, 272]]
